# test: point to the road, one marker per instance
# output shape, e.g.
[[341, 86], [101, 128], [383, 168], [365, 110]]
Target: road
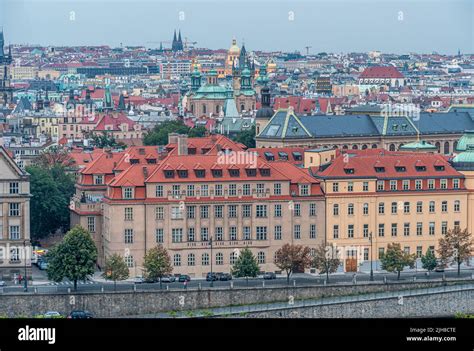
[[296, 279]]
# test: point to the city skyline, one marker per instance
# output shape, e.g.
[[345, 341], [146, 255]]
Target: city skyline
[[337, 26]]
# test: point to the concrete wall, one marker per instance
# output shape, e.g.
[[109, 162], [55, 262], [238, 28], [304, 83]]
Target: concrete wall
[[148, 302]]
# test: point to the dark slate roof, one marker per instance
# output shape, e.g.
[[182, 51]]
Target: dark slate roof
[[288, 125], [445, 123]]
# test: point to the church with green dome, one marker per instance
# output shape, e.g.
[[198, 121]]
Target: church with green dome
[[209, 98]]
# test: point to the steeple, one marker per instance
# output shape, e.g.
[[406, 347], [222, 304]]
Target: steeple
[[46, 98], [2, 44], [195, 79], [174, 45], [180, 42], [121, 104], [108, 103]]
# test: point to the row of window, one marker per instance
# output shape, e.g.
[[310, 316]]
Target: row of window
[[406, 185], [261, 211], [14, 232], [399, 206], [261, 233], [394, 229], [13, 209]]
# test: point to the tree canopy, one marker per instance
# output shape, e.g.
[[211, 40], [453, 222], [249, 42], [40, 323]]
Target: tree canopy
[[429, 261], [73, 258], [246, 137], [395, 259], [326, 260], [159, 134], [51, 189], [246, 265], [157, 263], [290, 258], [456, 246], [115, 268]]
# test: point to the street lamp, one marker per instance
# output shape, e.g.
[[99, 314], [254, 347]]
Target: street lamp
[[371, 259], [24, 259], [212, 275]]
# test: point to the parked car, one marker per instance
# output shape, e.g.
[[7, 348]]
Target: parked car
[[2, 283], [138, 280], [168, 279], [269, 275], [80, 315], [439, 269], [211, 277], [52, 314], [225, 276], [184, 278], [150, 280], [43, 265]]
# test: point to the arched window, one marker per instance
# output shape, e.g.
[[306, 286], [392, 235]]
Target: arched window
[[261, 257], [204, 109], [366, 209], [335, 147], [438, 146], [392, 147], [364, 146], [217, 109], [191, 259], [455, 146], [242, 107], [446, 148], [192, 108], [355, 147], [374, 146], [345, 147]]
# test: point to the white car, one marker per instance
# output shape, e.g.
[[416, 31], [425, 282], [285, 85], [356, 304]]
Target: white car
[[2, 283], [138, 280], [52, 314]]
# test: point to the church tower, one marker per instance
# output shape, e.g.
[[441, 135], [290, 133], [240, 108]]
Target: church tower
[[6, 90]]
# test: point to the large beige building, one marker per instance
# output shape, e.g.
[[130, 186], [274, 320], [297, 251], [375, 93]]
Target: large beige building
[[14, 219], [189, 199], [376, 197]]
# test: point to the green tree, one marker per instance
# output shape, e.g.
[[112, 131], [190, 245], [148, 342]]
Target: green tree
[[105, 140], [51, 189], [246, 265], [326, 260], [428, 261], [395, 259], [73, 258], [291, 258], [246, 137], [54, 156], [456, 246], [159, 134], [197, 132], [115, 269], [157, 263]]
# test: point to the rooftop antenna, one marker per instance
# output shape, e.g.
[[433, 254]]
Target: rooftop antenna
[[307, 49]]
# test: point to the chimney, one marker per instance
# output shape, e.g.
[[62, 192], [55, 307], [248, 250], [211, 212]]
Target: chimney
[[145, 172], [173, 138], [182, 144]]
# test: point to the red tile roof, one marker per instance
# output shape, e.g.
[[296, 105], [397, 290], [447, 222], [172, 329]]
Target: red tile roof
[[364, 162], [381, 72], [114, 120]]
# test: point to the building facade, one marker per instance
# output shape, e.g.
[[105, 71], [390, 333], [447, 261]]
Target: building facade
[[14, 219]]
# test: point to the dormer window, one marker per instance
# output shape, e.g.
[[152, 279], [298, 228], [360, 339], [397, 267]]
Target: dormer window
[[297, 156], [251, 172], [283, 155], [439, 168], [217, 173], [400, 169], [269, 156], [420, 168], [128, 193], [192, 151], [151, 161], [200, 173], [134, 161], [182, 173], [234, 172], [169, 174], [379, 169], [265, 172], [349, 170], [98, 179]]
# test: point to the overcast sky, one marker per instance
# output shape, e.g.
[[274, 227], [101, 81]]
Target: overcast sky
[[397, 26]]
